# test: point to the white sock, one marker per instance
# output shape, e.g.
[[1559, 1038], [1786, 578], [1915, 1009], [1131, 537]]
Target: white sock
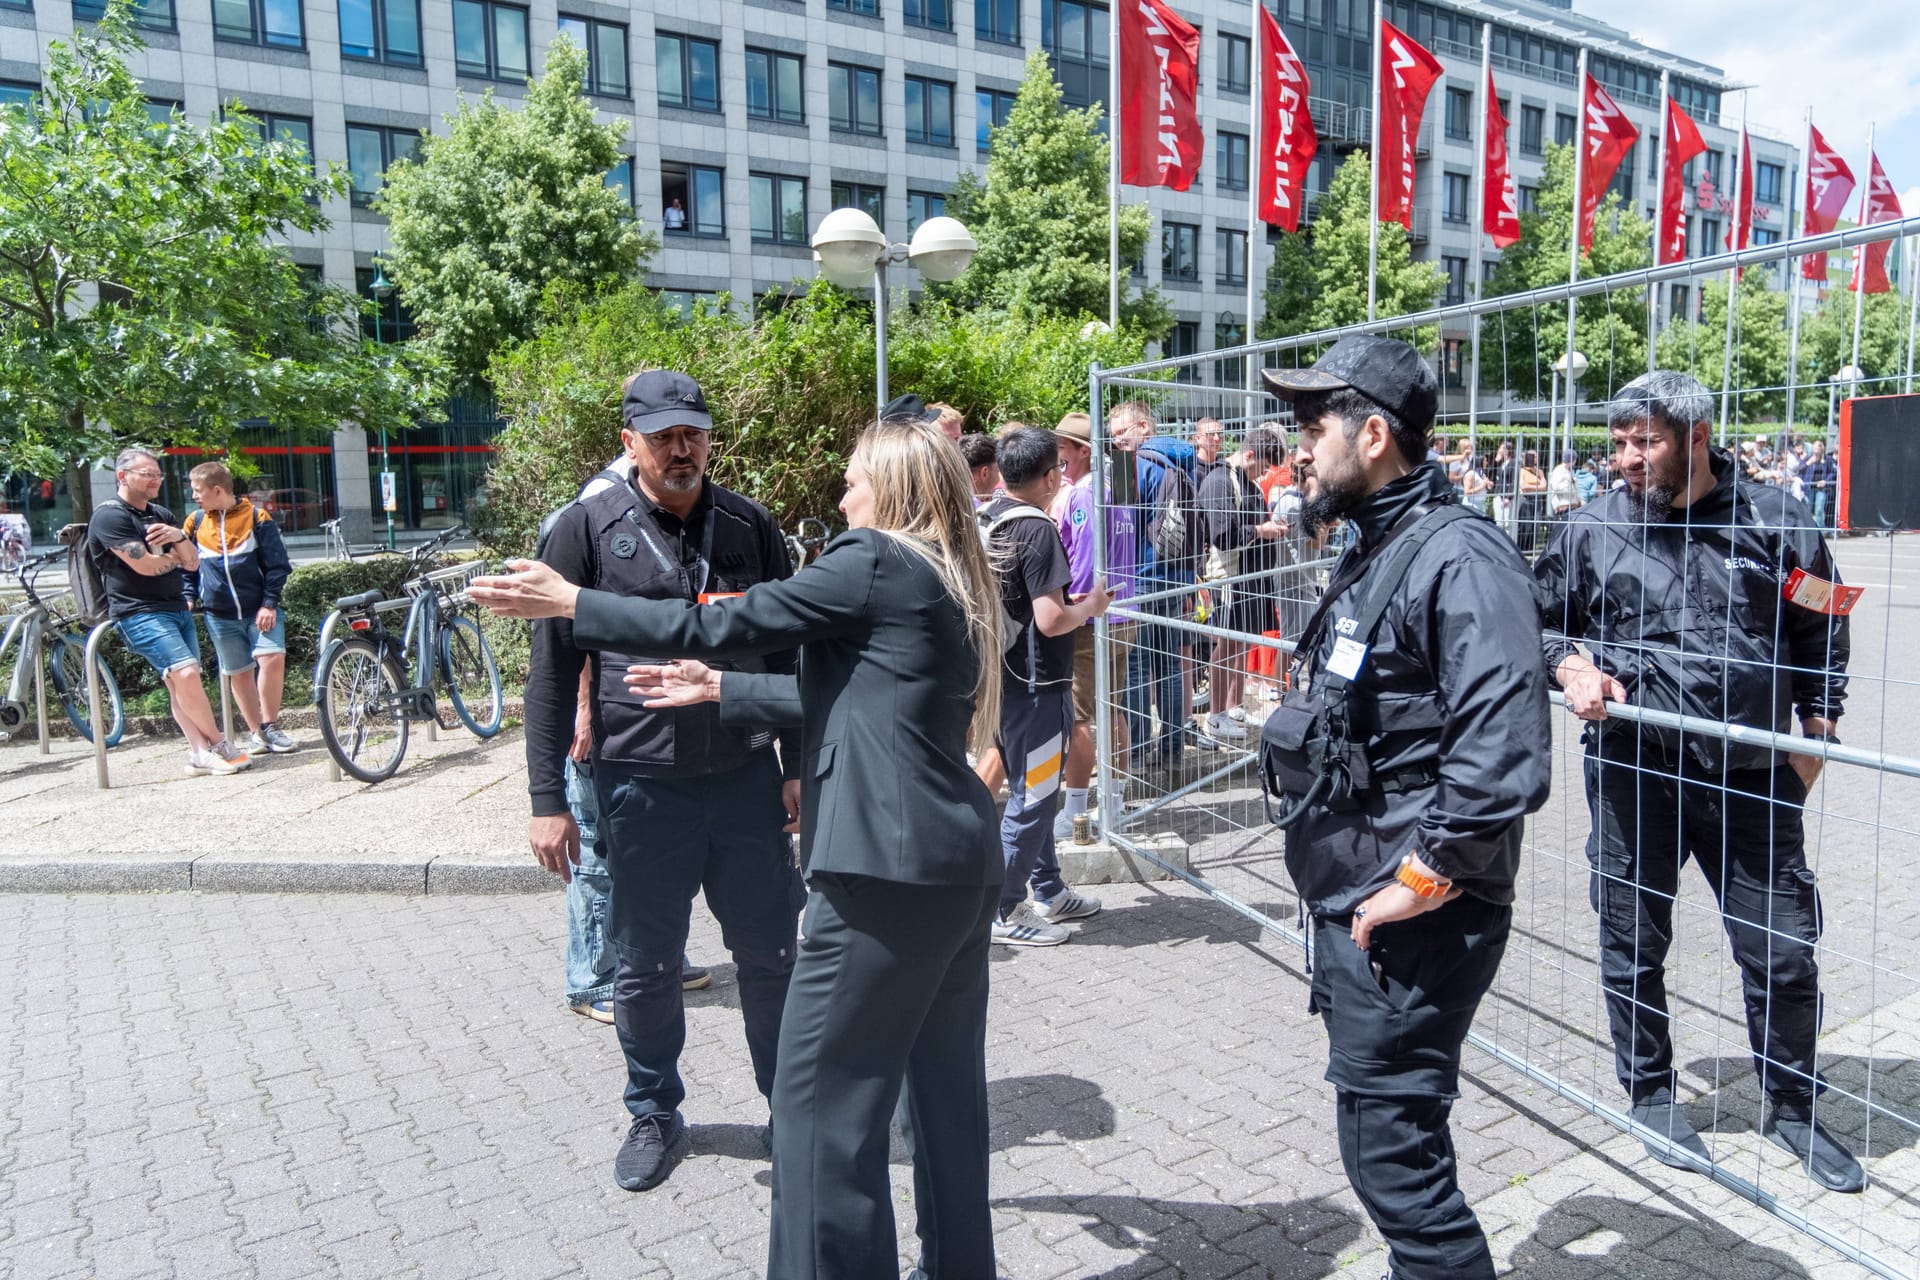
[[1076, 800]]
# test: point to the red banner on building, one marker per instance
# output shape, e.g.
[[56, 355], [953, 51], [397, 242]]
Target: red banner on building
[[1287, 137], [1160, 137], [1607, 135], [1407, 73], [1683, 144], [1882, 205], [1498, 210], [1829, 186]]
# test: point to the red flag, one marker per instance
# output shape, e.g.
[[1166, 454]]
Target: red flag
[[1683, 144], [1882, 205], [1498, 210], [1288, 140], [1607, 135], [1407, 73], [1160, 138], [1829, 187], [1742, 228]]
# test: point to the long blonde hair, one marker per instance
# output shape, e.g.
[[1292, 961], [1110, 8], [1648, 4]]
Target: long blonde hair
[[923, 498]]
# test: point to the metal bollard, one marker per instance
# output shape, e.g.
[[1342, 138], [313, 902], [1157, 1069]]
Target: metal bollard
[[226, 706], [40, 706], [326, 638], [95, 639]]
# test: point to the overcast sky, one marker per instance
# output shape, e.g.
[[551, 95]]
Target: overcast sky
[[1853, 62]]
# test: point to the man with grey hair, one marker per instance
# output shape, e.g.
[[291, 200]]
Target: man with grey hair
[[1674, 583], [143, 556]]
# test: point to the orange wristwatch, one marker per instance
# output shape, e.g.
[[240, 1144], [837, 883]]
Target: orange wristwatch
[[1422, 886]]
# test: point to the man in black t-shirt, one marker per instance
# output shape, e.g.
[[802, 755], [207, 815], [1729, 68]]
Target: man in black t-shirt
[[1036, 700], [143, 555]]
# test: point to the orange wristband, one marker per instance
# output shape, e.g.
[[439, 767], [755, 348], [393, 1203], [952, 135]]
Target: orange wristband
[[1422, 886]]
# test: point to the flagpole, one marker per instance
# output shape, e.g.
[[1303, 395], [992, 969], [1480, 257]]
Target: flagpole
[[1859, 263], [1373, 145], [1733, 273], [1261, 155], [1796, 286], [1113, 172], [1481, 178], [1573, 235], [1913, 304], [1659, 217]]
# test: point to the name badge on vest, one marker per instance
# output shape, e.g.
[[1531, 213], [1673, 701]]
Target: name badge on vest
[[624, 545], [1347, 656]]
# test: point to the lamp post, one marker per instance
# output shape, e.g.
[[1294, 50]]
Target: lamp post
[[850, 246], [1572, 367], [382, 290], [1851, 375]]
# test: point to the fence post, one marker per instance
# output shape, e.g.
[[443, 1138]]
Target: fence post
[[95, 639], [226, 706], [1103, 682], [40, 699]]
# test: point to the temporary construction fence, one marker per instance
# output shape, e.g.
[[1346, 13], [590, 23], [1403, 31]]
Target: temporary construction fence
[[1175, 764]]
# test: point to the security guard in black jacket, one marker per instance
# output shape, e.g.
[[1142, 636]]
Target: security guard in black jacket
[[1410, 882], [686, 802], [1682, 584]]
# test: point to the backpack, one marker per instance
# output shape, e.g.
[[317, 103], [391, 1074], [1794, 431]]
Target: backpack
[[84, 579], [1174, 530], [989, 526]]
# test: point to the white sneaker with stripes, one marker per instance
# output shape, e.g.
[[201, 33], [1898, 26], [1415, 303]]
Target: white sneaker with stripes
[[1022, 928]]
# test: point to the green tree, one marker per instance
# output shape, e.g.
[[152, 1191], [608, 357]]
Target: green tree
[[1519, 347], [1040, 216], [1318, 279], [1759, 373], [1826, 345], [503, 206], [142, 292]]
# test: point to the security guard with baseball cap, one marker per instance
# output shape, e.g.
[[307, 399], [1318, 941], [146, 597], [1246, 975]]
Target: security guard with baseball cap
[[1425, 653], [686, 802]]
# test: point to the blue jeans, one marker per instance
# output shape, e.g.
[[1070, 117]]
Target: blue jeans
[[1153, 677], [589, 959], [167, 639]]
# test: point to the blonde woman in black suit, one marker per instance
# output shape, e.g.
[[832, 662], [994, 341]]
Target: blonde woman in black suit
[[897, 623]]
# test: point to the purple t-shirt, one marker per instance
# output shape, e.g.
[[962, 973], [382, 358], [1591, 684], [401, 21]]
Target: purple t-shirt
[[1076, 530]]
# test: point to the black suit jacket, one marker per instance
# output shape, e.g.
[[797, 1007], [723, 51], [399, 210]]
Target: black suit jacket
[[884, 697]]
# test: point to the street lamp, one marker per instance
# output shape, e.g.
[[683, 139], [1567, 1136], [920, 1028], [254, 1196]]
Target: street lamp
[[1851, 375], [849, 246], [1573, 366], [382, 290]]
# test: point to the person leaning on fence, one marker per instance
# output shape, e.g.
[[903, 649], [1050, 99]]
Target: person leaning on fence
[[1674, 585], [243, 568], [1410, 883], [143, 556]]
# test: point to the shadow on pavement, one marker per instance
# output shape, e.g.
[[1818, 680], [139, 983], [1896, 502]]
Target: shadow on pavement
[[1889, 1084], [1164, 920], [1590, 1237], [1198, 1238]]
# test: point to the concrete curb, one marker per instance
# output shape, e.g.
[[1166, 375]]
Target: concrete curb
[[224, 874]]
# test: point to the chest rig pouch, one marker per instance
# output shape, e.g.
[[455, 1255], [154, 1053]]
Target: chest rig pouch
[[1309, 755]]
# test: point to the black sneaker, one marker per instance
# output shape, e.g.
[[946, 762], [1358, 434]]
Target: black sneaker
[[1794, 1128], [1663, 1115], [646, 1156]]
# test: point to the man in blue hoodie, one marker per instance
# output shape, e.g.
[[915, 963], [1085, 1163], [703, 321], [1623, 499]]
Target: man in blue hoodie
[[243, 568]]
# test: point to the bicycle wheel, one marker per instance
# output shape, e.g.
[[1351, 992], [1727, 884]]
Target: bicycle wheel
[[357, 689], [472, 675], [67, 663]]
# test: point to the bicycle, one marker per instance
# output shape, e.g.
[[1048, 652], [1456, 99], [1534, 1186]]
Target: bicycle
[[806, 541], [372, 685], [338, 548], [40, 630]]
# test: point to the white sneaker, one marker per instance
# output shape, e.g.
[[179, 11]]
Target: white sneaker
[[1221, 729], [1070, 905], [211, 761], [1238, 715], [252, 745], [1025, 929]]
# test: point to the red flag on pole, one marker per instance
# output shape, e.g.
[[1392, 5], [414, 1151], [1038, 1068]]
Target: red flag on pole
[[1288, 139], [1407, 73], [1498, 211], [1829, 186], [1683, 144], [1742, 228], [1160, 137], [1882, 206], [1607, 135]]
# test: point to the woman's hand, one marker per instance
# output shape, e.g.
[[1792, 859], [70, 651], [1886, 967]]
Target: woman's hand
[[674, 684], [532, 590]]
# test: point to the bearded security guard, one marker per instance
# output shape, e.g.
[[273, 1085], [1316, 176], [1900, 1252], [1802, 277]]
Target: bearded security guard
[[687, 803], [1429, 653]]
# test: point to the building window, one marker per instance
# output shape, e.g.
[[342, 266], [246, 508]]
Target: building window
[[1077, 35], [1236, 62], [937, 14], [1767, 181], [1765, 235], [1456, 272], [1230, 161], [271, 22], [490, 40], [606, 46], [855, 195], [686, 301], [159, 110], [1185, 341], [620, 178], [1533, 127], [1459, 114], [1563, 125], [1529, 199], [370, 149], [1623, 176], [853, 98], [773, 86], [17, 93], [395, 321], [154, 14], [1453, 363], [381, 31], [929, 112], [922, 205], [294, 130], [688, 72], [16, 4], [691, 202], [1711, 161], [997, 20], [1179, 251], [1710, 237], [1229, 256], [853, 6], [779, 207], [1680, 303], [1453, 195], [990, 111], [1228, 334]]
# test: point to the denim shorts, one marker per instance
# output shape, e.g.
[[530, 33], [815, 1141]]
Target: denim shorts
[[237, 642], [167, 640]]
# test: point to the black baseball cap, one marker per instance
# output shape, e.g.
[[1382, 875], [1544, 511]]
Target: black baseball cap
[[1384, 370], [909, 407], [660, 400]]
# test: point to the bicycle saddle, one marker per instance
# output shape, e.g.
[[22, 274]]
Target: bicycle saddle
[[360, 601]]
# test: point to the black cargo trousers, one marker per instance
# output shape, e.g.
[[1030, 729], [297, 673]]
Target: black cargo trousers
[[1397, 1016]]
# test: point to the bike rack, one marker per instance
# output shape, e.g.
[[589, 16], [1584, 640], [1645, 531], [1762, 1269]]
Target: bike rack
[[94, 640], [40, 705]]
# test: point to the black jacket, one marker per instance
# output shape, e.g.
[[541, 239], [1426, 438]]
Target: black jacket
[[1451, 686], [1232, 506], [884, 697], [1689, 615], [615, 539]]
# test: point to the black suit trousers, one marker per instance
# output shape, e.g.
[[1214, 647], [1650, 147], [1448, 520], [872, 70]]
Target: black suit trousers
[[890, 987]]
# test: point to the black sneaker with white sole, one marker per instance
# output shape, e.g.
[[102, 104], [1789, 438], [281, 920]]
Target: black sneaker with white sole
[[646, 1157]]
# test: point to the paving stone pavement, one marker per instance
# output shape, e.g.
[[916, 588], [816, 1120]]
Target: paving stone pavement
[[285, 1085]]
